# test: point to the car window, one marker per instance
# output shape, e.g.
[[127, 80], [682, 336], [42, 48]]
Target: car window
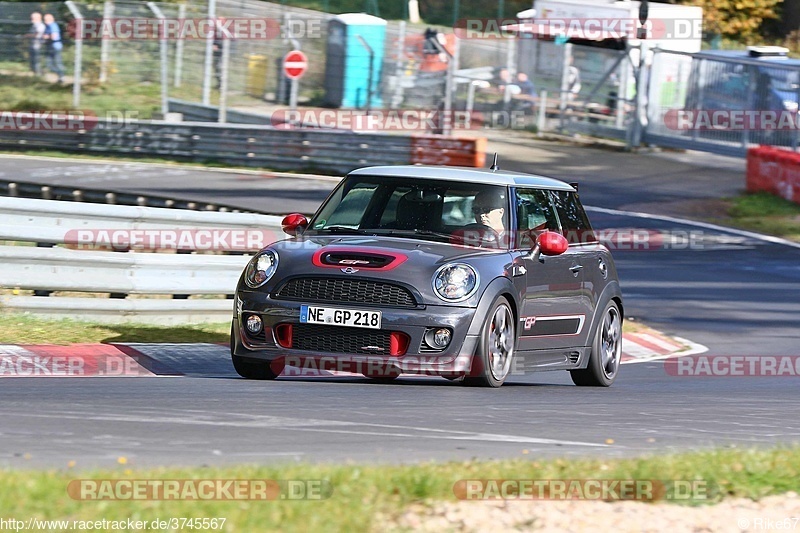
[[535, 214], [350, 205], [422, 208], [575, 224]]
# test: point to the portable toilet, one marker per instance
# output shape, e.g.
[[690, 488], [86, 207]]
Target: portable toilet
[[352, 73]]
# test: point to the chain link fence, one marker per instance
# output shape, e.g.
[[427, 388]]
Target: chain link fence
[[519, 82], [723, 100]]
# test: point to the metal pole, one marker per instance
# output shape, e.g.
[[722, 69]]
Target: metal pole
[[223, 89], [105, 43], [371, 53], [452, 65], [511, 66], [293, 97], [565, 64], [76, 82], [639, 102], [179, 48], [470, 104], [540, 122], [399, 65], [794, 130], [162, 45], [209, 61]]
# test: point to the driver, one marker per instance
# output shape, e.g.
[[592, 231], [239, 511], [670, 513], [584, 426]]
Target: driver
[[489, 208]]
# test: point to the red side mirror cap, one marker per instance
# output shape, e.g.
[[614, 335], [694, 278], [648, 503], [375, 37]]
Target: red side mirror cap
[[291, 224], [552, 243]]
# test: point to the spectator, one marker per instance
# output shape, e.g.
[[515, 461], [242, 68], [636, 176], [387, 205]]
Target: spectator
[[573, 81], [525, 85], [52, 36], [221, 34], [36, 35]]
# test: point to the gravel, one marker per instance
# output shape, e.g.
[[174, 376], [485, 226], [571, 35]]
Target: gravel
[[732, 515]]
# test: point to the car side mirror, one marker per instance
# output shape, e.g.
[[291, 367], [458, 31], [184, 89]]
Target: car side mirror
[[548, 243], [552, 243], [294, 224]]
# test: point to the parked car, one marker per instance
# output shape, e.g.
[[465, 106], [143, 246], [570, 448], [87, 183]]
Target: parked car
[[757, 79], [470, 274]]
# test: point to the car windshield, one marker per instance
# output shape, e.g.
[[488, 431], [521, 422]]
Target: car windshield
[[437, 210], [783, 79]]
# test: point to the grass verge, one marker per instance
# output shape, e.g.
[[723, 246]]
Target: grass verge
[[25, 329], [766, 213], [365, 498]]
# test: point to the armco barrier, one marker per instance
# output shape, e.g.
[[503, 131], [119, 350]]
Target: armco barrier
[[775, 171], [332, 151], [152, 278]]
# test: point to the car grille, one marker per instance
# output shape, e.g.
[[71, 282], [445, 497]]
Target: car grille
[[339, 290], [336, 339]]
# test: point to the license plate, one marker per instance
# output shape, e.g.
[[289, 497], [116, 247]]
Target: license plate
[[332, 316]]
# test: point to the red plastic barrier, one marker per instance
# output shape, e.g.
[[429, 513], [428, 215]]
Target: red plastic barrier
[[439, 150], [775, 171]]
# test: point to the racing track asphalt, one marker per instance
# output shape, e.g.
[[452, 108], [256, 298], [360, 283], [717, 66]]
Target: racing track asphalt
[[736, 294]]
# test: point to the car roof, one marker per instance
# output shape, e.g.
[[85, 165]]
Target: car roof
[[465, 174]]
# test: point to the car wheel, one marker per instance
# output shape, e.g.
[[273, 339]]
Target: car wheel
[[606, 352], [252, 369], [492, 361]]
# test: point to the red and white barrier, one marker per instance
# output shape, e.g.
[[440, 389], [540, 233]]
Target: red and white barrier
[[774, 170]]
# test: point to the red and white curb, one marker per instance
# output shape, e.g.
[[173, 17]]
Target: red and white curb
[[202, 359], [646, 344]]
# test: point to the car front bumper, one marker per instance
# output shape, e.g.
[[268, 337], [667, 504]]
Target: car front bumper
[[456, 359]]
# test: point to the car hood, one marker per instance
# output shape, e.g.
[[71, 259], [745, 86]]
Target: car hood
[[412, 262]]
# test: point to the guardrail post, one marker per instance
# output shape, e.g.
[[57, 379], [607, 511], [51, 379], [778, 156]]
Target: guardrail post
[[47, 194], [13, 190]]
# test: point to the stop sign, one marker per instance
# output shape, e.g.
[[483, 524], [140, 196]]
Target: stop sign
[[295, 64]]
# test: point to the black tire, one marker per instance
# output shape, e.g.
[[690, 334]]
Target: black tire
[[385, 375], [606, 353], [494, 355], [251, 368]]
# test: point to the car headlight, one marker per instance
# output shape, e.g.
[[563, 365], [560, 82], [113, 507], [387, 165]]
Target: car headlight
[[455, 282], [261, 268]]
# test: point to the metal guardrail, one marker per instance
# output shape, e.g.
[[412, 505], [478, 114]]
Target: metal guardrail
[[331, 151], [94, 273]]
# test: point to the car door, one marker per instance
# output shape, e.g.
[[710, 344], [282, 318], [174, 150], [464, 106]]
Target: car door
[[554, 308]]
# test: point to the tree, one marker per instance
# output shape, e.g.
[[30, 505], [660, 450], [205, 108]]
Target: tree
[[740, 20]]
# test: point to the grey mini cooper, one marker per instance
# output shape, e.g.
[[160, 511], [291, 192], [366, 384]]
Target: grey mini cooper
[[469, 274]]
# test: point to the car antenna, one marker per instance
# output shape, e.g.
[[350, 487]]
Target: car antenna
[[494, 166]]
